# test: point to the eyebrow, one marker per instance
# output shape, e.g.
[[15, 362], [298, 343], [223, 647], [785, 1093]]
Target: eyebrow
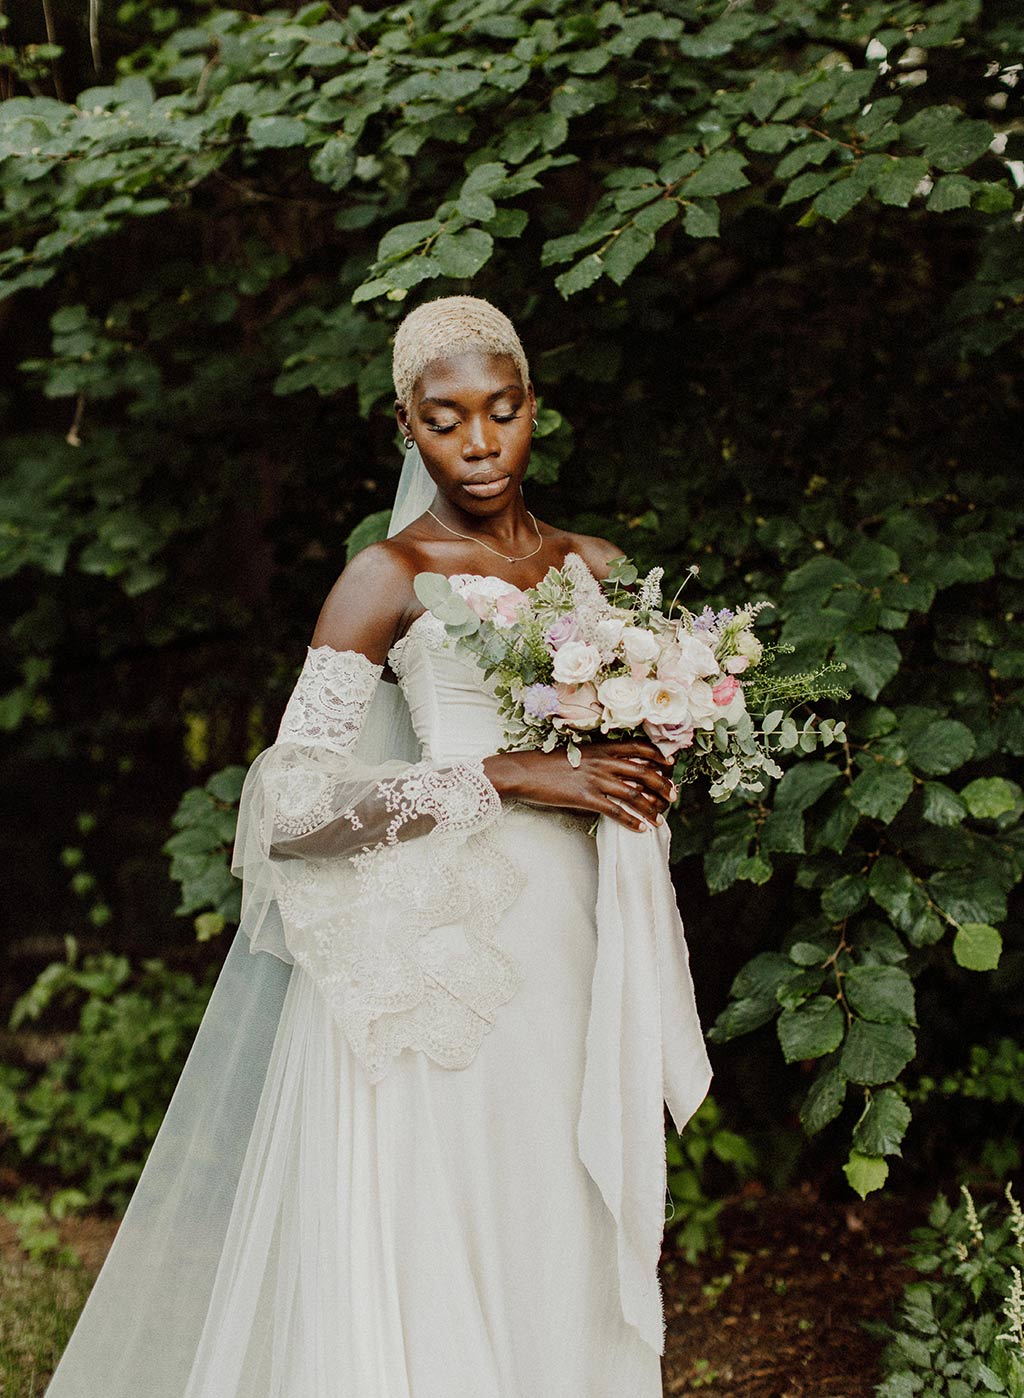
[[454, 403]]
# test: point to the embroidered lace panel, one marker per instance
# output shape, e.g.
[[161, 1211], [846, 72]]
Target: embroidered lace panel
[[400, 934]]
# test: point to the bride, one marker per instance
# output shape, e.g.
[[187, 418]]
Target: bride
[[417, 1150]]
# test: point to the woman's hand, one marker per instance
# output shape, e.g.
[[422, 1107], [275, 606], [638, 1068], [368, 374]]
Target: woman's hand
[[626, 778]]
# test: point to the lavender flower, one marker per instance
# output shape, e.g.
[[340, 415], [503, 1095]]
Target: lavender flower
[[540, 700]]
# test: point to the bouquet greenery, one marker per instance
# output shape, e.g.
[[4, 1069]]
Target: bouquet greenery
[[574, 658]]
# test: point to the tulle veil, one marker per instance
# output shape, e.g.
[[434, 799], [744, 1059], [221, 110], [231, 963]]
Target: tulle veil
[[140, 1328]]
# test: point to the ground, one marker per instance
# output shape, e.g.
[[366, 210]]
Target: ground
[[774, 1316]]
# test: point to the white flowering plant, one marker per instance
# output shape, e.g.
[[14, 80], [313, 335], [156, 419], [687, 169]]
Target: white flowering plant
[[574, 659]]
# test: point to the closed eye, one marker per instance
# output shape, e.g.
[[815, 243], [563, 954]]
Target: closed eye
[[509, 417]]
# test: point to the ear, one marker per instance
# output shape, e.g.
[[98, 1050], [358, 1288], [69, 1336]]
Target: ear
[[402, 418]]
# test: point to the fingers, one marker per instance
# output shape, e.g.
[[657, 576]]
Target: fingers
[[635, 799], [623, 815], [650, 778], [642, 748]]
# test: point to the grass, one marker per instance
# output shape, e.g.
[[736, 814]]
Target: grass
[[41, 1302]]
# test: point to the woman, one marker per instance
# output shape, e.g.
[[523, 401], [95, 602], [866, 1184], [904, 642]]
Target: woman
[[400, 1196]]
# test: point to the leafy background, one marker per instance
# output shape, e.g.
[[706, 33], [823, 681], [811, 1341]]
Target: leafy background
[[766, 263]]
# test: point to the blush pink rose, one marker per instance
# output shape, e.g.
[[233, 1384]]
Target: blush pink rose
[[668, 737], [578, 706], [508, 606], [724, 690]]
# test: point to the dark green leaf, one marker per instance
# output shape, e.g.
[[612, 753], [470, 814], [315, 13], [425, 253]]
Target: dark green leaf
[[876, 1053], [883, 1124], [872, 659], [824, 1101], [881, 790], [812, 1029], [941, 747], [881, 993]]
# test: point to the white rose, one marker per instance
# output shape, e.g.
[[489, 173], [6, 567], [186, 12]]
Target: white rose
[[747, 644], [639, 645], [576, 662], [701, 703], [688, 659], [735, 664], [622, 701], [664, 701]]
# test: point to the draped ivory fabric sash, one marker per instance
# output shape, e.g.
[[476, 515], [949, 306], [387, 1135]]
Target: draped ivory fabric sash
[[644, 1047]]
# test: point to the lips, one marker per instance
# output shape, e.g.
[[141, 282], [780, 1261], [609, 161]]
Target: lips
[[485, 489]]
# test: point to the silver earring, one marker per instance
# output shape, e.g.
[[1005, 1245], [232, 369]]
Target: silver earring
[[409, 442], [534, 420]]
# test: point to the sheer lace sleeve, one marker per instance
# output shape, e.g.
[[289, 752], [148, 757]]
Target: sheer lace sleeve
[[328, 802], [382, 879]]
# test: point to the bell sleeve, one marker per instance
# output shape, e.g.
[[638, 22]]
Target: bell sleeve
[[385, 881]]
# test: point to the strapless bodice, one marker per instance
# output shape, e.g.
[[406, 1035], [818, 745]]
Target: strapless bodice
[[453, 706]]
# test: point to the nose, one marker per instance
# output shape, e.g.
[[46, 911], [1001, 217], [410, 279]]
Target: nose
[[481, 439]]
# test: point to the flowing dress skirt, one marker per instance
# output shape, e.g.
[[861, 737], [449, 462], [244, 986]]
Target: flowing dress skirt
[[434, 1235]]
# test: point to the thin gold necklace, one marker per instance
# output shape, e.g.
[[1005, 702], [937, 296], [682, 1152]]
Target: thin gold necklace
[[507, 557]]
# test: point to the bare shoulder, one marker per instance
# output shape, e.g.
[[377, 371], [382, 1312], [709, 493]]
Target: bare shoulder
[[364, 609], [596, 552]]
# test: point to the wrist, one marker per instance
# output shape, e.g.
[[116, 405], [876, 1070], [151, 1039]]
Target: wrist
[[503, 771]]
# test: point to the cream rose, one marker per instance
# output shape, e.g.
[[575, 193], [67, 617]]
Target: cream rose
[[664, 701], [639, 646], [687, 659], [622, 701], [703, 710], [576, 662]]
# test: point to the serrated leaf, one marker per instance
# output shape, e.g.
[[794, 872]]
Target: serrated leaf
[[884, 994], [960, 143], [277, 131], [977, 946], [881, 790], [812, 1029], [987, 798], [950, 192], [824, 1101], [876, 1053], [883, 1124], [940, 747], [865, 1173], [942, 806], [873, 659], [897, 182], [719, 174], [584, 274], [462, 254]]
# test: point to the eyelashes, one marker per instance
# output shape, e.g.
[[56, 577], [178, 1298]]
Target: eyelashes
[[510, 417]]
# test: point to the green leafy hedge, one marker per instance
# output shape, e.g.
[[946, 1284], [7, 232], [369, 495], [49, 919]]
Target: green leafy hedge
[[766, 261]]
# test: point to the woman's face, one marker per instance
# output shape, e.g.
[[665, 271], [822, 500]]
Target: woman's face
[[472, 420]]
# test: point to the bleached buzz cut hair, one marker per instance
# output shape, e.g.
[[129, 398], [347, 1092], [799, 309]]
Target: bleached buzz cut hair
[[446, 326]]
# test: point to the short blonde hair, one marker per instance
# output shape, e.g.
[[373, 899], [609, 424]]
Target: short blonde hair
[[451, 325]]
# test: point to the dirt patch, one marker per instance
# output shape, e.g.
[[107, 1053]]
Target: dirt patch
[[776, 1315]]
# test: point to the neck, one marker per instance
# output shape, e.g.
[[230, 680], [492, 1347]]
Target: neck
[[505, 529]]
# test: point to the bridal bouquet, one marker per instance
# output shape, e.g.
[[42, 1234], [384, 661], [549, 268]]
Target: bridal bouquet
[[575, 658]]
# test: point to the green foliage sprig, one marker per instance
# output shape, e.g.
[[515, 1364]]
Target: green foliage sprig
[[960, 1333]]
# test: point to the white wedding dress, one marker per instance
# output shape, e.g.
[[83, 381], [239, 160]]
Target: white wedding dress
[[453, 1244], [414, 1217]]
